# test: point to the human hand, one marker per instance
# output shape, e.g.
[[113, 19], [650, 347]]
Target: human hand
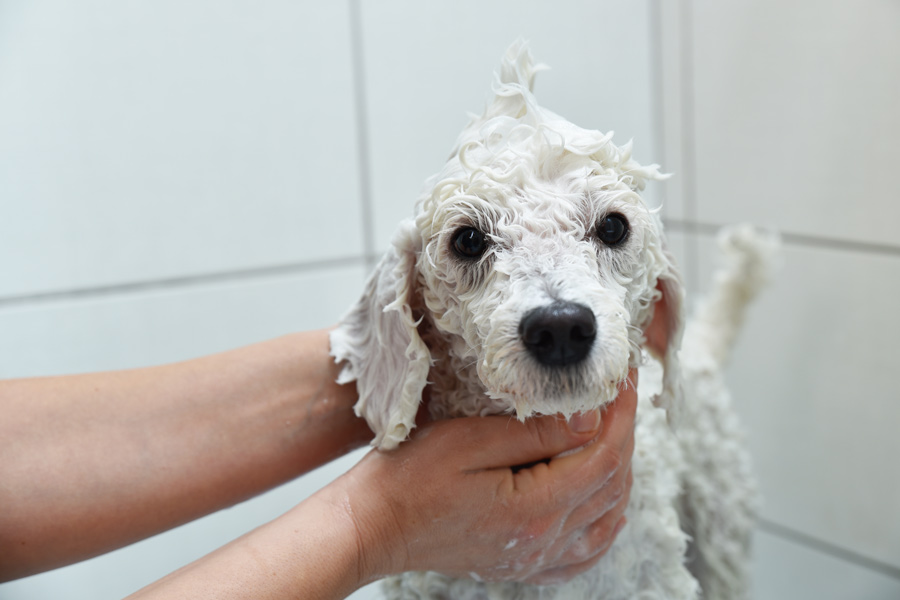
[[451, 500]]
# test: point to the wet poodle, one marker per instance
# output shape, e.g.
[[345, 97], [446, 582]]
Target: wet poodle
[[532, 277]]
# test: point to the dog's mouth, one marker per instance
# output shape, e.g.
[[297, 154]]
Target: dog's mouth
[[552, 383], [564, 382], [534, 388]]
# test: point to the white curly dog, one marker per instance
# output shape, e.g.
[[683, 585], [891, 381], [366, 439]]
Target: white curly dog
[[530, 280]]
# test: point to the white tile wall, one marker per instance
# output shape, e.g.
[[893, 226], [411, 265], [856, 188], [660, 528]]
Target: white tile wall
[[158, 139], [796, 115], [131, 330], [429, 64], [676, 127], [784, 570]]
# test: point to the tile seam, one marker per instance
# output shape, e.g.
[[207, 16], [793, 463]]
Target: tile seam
[[688, 136], [835, 551], [360, 100], [792, 238], [185, 282]]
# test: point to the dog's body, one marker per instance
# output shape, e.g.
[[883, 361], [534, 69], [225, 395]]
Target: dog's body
[[531, 280]]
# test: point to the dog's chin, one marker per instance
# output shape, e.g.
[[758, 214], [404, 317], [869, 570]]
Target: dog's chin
[[543, 390]]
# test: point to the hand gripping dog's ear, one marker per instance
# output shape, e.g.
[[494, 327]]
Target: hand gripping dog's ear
[[380, 347], [663, 335]]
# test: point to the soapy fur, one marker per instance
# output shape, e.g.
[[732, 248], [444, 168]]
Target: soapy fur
[[536, 186]]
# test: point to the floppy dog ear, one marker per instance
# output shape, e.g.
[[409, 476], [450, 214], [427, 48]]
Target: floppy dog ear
[[663, 336], [380, 347]]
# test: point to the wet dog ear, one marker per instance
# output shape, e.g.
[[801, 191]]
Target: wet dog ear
[[380, 347], [663, 335], [663, 326]]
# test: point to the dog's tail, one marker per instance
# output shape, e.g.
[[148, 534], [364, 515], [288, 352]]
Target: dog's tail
[[749, 257]]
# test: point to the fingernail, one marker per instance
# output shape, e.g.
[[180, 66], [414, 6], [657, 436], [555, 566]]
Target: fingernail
[[585, 422]]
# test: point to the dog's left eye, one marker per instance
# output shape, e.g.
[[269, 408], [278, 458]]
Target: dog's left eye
[[613, 230], [469, 243]]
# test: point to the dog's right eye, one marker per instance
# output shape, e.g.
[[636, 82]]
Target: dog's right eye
[[469, 243], [613, 230]]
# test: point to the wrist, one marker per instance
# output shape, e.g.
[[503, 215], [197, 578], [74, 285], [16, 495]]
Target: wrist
[[362, 509], [339, 550], [311, 550], [323, 425]]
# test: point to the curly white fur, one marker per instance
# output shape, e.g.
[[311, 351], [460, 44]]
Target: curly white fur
[[536, 186]]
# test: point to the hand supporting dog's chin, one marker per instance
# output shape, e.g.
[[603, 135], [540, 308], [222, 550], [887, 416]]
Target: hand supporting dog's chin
[[494, 508]]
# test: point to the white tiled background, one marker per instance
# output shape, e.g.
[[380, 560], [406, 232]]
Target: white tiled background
[[180, 178]]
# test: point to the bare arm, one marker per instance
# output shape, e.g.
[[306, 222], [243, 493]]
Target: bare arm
[[445, 501], [94, 462]]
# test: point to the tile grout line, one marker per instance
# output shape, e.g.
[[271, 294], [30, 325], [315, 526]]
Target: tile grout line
[[833, 550], [362, 131], [796, 239], [656, 86], [183, 282], [688, 141]]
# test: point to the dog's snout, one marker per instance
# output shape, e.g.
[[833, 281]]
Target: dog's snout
[[559, 334]]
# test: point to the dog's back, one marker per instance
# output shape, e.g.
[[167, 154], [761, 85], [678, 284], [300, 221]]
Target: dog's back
[[719, 501]]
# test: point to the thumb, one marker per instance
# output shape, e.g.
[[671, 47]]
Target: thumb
[[502, 442]]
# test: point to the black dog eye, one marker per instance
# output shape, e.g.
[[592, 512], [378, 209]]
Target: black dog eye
[[613, 230], [469, 243]]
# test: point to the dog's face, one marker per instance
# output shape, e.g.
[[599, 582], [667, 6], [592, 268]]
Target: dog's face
[[533, 259], [539, 268]]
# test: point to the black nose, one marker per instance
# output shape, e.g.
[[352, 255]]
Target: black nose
[[559, 334]]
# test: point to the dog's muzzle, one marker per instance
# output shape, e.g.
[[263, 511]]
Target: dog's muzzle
[[559, 334]]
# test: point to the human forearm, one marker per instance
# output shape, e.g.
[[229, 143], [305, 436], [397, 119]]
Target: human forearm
[[312, 552], [449, 501], [93, 462]]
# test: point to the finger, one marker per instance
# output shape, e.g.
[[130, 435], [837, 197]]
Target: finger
[[611, 499], [577, 475], [581, 474], [562, 574], [618, 417], [501, 442]]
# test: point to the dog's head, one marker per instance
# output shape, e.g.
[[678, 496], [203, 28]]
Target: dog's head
[[534, 259]]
